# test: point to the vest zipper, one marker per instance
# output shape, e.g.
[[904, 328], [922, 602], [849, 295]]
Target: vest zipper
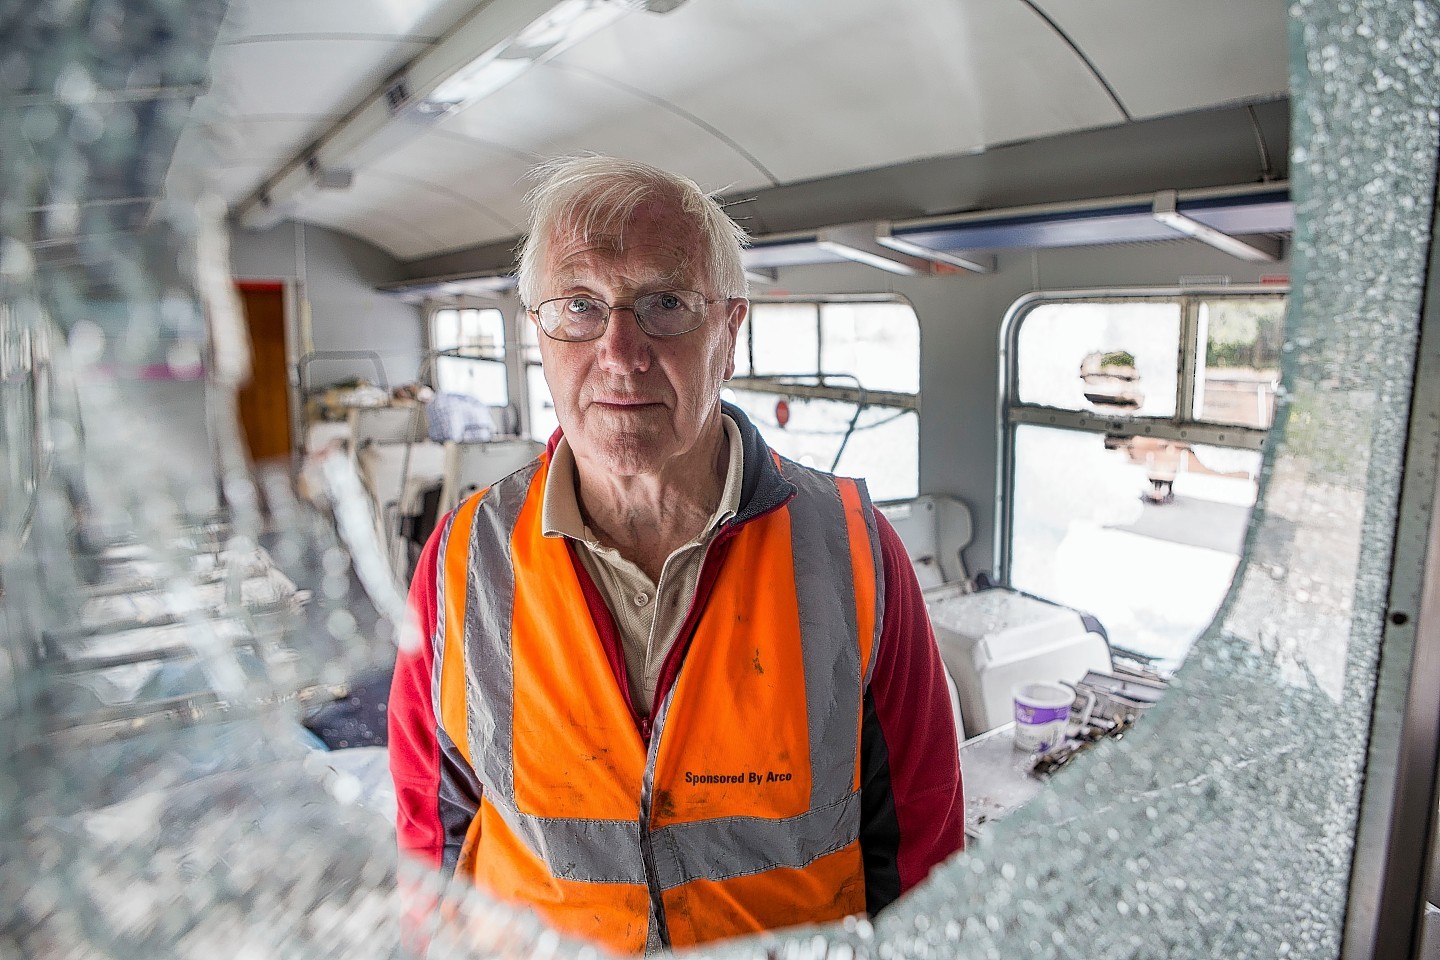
[[647, 803]]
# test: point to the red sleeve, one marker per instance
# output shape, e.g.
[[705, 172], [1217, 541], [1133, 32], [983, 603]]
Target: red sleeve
[[917, 750], [413, 738]]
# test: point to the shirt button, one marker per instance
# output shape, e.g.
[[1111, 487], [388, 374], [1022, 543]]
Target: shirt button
[[641, 599]]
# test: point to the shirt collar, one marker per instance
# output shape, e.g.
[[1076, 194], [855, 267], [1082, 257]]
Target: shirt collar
[[560, 509]]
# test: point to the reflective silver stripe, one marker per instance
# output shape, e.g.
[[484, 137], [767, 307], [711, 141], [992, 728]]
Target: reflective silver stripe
[[489, 605], [738, 846], [879, 570], [437, 642], [830, 648], [450, 853], [593, 851]]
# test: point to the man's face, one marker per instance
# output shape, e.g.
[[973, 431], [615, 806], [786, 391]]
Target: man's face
[[631, 404]]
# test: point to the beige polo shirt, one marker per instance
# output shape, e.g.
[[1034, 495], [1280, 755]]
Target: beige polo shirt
[[648, 615]]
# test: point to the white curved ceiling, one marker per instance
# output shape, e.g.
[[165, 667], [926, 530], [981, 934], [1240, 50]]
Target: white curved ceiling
[[738, 94]]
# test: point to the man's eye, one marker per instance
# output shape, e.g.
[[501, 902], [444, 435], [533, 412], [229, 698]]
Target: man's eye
[[668, 301], [580, 305]]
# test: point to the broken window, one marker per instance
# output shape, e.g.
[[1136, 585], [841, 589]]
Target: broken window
[[1118, 501], [158, 797]]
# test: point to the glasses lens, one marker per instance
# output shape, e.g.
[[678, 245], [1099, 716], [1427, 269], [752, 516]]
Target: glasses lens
[[573, 318], [670, 312]]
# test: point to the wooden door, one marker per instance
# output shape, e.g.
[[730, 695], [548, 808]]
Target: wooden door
[[264, 402]]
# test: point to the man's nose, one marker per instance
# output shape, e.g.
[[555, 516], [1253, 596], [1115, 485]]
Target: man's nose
[[624, 347]]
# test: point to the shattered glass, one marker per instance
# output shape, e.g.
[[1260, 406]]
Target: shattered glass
[[158, 796]]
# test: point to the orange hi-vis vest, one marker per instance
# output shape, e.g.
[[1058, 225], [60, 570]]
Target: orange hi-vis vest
[[742, 812]]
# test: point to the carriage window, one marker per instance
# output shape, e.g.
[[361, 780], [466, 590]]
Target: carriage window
[[537, 392], [834, 385], [1116, 504], [470, 344]]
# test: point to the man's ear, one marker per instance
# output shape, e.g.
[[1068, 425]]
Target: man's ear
[[739, 310]]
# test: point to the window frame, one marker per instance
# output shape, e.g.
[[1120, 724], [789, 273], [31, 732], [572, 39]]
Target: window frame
[[527, 358], [793, 385], [1181, 426], [821, 390], [430, 371]]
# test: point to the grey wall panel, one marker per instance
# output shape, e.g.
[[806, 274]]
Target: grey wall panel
[[340, 274]]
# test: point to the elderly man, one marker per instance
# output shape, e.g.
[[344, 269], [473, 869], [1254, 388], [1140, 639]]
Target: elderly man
[[674, 687]]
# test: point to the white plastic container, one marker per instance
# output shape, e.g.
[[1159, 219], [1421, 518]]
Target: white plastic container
[[995, 640], [1042, 715]]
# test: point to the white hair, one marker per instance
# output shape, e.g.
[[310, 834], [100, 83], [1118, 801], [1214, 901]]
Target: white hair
[[592, 195]]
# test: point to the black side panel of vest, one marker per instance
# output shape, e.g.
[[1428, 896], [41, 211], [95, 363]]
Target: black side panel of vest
[[458, 800], [879, 826]]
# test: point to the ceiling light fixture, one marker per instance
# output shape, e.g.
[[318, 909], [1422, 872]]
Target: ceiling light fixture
[[497, 43], [329, 178], [558, 29]]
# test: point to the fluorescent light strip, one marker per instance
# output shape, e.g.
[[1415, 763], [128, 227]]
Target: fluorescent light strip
[[560, 28], [486, 50]]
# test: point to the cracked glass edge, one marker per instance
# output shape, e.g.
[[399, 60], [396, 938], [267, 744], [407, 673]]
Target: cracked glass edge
[[1225, 821]]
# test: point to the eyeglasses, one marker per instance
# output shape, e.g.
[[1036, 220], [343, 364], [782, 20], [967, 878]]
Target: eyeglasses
[[665, 313]]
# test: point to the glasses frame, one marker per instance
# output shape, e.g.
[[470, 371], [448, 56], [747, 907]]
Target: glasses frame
[[610, 308]]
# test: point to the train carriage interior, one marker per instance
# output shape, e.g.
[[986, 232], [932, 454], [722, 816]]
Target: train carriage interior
[[1125, 312]]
